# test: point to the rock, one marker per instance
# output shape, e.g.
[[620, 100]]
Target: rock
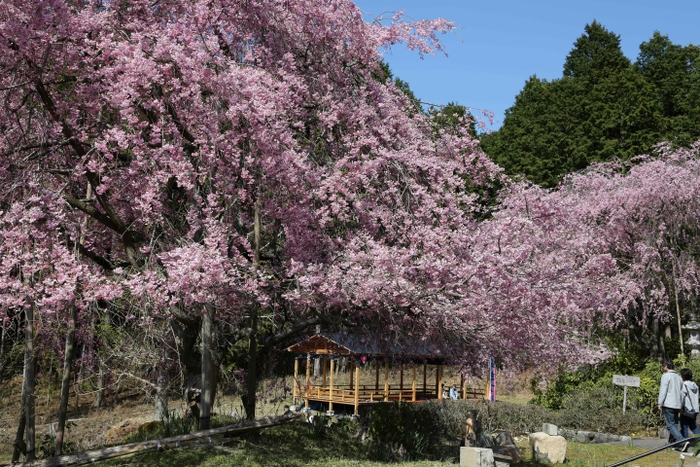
[[584, 437], [550, 429], [505, 444], [546, 448], [510, 452], [566, 433], [476, 457], [601, 438]]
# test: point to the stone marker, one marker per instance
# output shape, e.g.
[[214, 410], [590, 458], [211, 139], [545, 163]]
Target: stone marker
[[550, 429], [505, 445], [476, 457], [546, 448]]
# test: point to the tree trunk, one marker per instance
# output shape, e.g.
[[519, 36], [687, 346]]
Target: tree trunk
[[29, 379], [100, 393], [678, 308], [252, 376], [115, 400], [161, 406], [251, 381], [20, 447], [65, 382], [207, 380], [658, 350], [78, 381]]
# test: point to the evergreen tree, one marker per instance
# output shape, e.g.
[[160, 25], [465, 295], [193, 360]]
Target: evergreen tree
[[541, 133], [596, 55], [673, 72], [601, 109]]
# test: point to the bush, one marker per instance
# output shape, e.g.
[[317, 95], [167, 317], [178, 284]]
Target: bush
[[434, 429], [429, 430], [402, 431]]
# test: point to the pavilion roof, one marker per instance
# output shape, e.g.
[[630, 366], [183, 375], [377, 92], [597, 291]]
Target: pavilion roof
[[355, 345]]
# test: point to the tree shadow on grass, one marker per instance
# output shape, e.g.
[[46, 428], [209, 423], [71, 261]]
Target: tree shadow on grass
[[293, 445]]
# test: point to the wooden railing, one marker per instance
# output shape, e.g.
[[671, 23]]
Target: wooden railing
[[345, 394]]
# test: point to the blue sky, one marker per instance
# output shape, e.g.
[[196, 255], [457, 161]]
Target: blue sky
[[501, 43]]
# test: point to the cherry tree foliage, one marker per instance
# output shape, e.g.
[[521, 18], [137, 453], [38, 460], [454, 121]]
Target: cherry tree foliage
[[195, 158], [647, 214]]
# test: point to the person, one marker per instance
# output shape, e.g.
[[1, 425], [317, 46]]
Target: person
[[454, 394], [670, 400], [690, 404]]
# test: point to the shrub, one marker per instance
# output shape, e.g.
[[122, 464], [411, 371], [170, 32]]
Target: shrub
[[402, 431]]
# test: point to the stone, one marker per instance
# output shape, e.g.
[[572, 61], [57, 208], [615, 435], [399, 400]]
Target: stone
[[583, 437], [546, 448], [550, 429], [476, 457], [502, 460], [505, 444], [566, 433]]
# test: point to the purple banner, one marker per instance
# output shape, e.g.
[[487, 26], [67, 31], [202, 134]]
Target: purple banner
[[492, 379]]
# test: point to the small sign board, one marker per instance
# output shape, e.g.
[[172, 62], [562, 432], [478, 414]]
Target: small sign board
[[631, 381]]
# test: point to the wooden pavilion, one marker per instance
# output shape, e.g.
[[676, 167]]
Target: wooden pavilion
[[413, 387]]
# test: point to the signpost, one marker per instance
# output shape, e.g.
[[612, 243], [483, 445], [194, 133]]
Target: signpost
[[626, 381]]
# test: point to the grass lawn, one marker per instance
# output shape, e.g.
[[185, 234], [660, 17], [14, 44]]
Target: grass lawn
[[297, 445]]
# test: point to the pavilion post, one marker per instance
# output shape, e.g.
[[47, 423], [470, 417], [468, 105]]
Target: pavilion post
[[386, 381], [324, 363], [401, 382], [296, 381], [352, 372], [425, 379], [438, 382], [330, 391], [308, 378], [462, 387], [376, 377], [413, 384], [357, 388]]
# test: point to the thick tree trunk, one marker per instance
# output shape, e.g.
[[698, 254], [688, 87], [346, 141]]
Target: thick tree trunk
[[658, 350], [65, 382], [207, 379], [161, 406], [29, 380]]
